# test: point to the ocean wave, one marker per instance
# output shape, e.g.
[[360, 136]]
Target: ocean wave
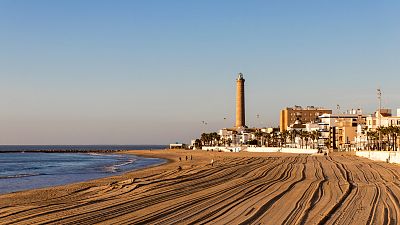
[[19, 175], [93, 153], [115, 168]]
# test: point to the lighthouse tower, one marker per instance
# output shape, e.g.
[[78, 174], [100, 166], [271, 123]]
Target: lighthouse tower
[[240, 116]]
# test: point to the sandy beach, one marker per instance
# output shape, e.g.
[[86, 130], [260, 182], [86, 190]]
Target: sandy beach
[[240, 188]]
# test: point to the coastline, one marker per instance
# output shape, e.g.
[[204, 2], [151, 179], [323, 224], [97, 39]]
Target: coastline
[[244, 187], [79, 182], [47, 193], [75, 148]]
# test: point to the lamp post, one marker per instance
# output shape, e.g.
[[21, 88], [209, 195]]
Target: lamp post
[[204, 127], [379, 95], [337, 130]]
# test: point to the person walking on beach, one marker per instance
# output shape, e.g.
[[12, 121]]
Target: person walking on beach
[[186, 158], [180, 159], [212, 162], [191, 157]]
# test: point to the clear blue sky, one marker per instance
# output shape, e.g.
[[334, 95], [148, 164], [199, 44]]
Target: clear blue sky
[[148, 72]]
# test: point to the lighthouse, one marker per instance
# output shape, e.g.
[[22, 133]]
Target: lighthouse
[[240, 107]]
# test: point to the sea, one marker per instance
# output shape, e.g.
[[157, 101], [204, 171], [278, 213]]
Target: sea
[[24, 167]]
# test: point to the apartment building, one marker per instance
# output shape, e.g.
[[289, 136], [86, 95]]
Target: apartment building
[[302, 115]]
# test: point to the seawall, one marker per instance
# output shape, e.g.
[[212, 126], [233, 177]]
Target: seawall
[[385, 156], [261, 149]]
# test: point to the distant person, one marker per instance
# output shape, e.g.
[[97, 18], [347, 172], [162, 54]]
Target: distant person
[[212, 162], [180, 159], [186, 158], [191, 157]]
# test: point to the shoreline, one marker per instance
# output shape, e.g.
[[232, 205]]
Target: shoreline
[[70, 151], [76, 148], [111, 174], [63, 151], [171, 163], [244, 187]]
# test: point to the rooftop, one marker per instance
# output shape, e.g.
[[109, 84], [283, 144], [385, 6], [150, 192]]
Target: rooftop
[[297, 107]]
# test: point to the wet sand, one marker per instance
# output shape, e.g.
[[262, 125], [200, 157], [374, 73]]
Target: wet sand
[[240, 188]]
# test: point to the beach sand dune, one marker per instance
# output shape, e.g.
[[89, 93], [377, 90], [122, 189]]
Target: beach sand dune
[[239, 188]]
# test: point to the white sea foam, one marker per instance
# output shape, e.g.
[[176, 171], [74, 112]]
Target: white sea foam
[[114, 168], [19, 175], [92, 153]]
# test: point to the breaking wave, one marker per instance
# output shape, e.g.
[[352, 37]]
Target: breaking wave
[[19, 175], [115, 168]]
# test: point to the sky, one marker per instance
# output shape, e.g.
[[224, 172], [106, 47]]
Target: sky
[[149, 72]]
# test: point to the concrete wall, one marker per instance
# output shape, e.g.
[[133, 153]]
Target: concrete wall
[[222, 148], [284, 150], [261, 149], [385, 156]]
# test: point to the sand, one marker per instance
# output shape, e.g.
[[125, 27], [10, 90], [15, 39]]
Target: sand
[[240, 188]]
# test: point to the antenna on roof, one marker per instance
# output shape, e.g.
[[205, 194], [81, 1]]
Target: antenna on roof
[[379, 95]]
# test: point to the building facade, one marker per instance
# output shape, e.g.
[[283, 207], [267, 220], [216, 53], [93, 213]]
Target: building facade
[[372, 138], [309, 114], [236, 137], [340, 131], [384, 118]]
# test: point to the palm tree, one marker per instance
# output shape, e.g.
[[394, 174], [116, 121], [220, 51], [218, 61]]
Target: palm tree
[[373, 137], [229, 141], [390, 137], [368, 135], [267, 137], [258, 134], [307, 137], [274, 137], [397, 133], [314, 135], [284, 136], [301, 135], [214, 138], [197, 143], [365, 133], [217, 138], [293, 135], [392, 132], [206, 139], [304, 136], [203, 138], [384, 134]]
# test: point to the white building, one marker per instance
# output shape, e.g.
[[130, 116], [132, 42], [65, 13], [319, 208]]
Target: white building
[[235, 137], [384, 118], [339, 131]]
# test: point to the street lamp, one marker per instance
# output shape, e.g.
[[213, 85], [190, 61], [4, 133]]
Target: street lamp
[[379, 95]]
